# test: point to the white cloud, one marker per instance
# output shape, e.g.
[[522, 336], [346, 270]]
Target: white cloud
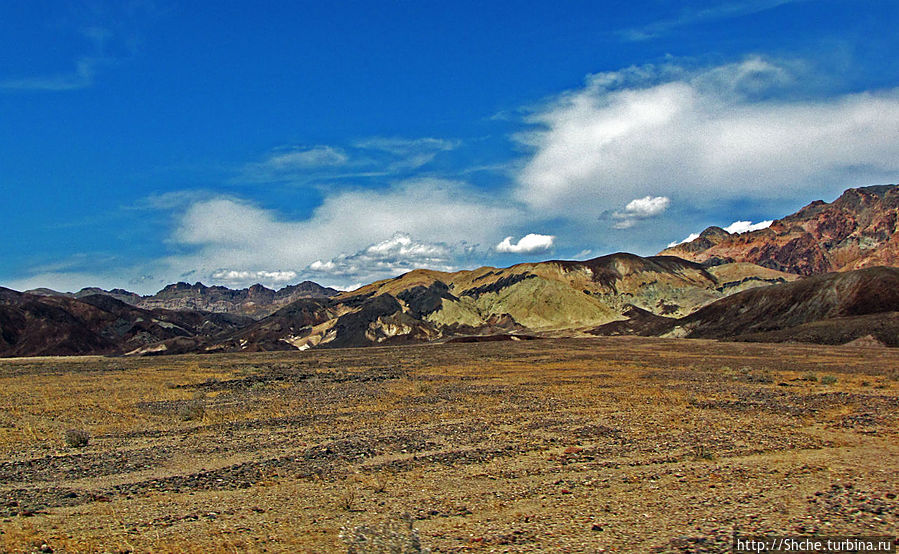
[[295, 163], [108, 37], [323, 267], [690, 238], [641, 208], [648, 206], [311, 157], [528, 244], [408, 153], [735, 227], [81, 77], [583, 254], [397, 254], [706, 136], [346, 288], [372, 157], [746, 226], [262, 276], [719, 11], [352, 233]]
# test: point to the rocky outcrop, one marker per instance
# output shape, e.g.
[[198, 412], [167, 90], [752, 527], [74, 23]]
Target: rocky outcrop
[[856, 230]]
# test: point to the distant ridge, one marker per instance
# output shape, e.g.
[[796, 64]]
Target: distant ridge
[[255, 301]]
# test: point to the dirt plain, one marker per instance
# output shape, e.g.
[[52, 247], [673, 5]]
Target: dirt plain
[[559, 445]]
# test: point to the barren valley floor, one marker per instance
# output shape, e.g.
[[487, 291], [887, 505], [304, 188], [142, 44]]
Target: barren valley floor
[[561, 445]]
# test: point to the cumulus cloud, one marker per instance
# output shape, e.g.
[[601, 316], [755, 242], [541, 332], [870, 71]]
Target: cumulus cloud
[[243, 276], [641, 208], [528, 244], [746, 226], [352, 233], [648, 206], [706, 136], [397, 254]]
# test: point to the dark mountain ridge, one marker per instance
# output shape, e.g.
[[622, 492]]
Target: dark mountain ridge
[[255, 301], [834, 308], [35, 325]]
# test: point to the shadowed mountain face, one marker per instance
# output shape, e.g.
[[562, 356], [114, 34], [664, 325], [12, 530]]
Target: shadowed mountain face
[[33, 325], [835, 308], [256, 301], [835, 297], [856, 230]]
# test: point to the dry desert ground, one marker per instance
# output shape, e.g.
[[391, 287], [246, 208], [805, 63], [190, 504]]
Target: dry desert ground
[[556, 445]]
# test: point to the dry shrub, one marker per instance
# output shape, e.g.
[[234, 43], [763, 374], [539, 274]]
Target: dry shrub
[[76, 438], [392, 536], [193, 410]]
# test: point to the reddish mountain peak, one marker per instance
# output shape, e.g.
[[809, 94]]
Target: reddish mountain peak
[[714, 232], [856, 230]]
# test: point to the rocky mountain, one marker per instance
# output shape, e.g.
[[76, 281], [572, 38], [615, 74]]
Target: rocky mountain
[[256, 301], [834, 308], [122, 295], [548, 298], [856, 230], [35, 325]]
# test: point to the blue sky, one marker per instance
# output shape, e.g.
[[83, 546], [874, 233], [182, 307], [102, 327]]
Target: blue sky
[[148, 142]]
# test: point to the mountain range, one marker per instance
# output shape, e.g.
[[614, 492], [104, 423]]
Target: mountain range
[[256, 301], [812, 276]]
